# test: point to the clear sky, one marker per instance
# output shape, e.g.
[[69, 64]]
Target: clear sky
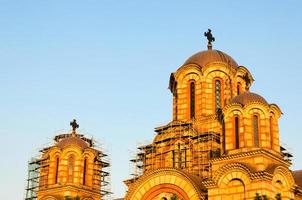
[[107, 64]]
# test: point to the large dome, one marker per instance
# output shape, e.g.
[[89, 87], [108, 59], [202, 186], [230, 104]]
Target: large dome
[[248, 97], [204, 57]]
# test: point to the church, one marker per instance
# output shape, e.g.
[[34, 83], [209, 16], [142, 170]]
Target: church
[[222, 143]]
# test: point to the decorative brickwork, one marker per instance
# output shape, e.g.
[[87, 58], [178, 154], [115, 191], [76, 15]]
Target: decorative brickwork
[[228, 149]]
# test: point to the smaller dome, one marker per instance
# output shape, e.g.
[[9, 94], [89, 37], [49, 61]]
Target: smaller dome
[[248, 97], [202, 58], [73, 140]]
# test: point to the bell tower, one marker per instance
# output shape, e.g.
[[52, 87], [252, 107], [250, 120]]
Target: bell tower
[[72, 168]]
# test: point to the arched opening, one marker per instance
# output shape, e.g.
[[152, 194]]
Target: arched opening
[[236, 132], [70, 168], [85, 172], [256, 130], [165, 191], [217, 91], [56, 169], [271, 122], [172, 181], [192, 99]]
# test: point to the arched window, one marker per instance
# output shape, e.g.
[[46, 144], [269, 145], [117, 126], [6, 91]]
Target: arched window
[[192, 100], [70, 168], [57, 169], [217, 94], [271, 122], [256, 130], [236, 131], [85, 172]]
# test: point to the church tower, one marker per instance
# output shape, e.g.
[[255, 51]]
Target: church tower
[[223, 142], [73, 168]]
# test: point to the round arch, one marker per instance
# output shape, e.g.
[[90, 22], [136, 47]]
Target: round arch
[[233, 109], [232, 171], [218, 67], [257, 107], [165, 188], [163, 180], [232, 180], [185, 69], [282, 174], [186, 79], [49, 198]]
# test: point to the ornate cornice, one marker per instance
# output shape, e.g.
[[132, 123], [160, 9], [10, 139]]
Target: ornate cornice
[[58, 188], [251, 153]]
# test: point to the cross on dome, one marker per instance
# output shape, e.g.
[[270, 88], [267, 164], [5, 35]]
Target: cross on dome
[[74, 125], [210, 38]]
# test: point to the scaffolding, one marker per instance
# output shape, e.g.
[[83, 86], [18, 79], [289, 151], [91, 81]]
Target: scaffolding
[[38, 169], [181, 145], [138, 159], [101, 173], [35, 180]]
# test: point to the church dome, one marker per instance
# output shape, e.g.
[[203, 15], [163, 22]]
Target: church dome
[[73, 140], [202, 58], [248, 97]]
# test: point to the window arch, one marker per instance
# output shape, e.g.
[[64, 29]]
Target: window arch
[[217, 94], [57, 160], [192, 99], [256, 130], [236, 132], [85, 171], [70, 168]]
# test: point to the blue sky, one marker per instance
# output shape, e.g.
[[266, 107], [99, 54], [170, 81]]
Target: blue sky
[[107, 64]]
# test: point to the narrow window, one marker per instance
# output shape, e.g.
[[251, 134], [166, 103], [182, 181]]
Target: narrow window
[[236, 132], [192, 100], [70, 169], [271, 131], [85, 171], [217, 94], [173, 158], [256, 130], [57, 170]]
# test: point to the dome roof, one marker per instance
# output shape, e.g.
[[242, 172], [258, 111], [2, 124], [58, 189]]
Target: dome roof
[[298, 177], [204, 57], [73, 140], [248, 97]]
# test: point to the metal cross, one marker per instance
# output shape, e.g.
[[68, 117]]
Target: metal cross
[[74, 125], [209, 37]]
